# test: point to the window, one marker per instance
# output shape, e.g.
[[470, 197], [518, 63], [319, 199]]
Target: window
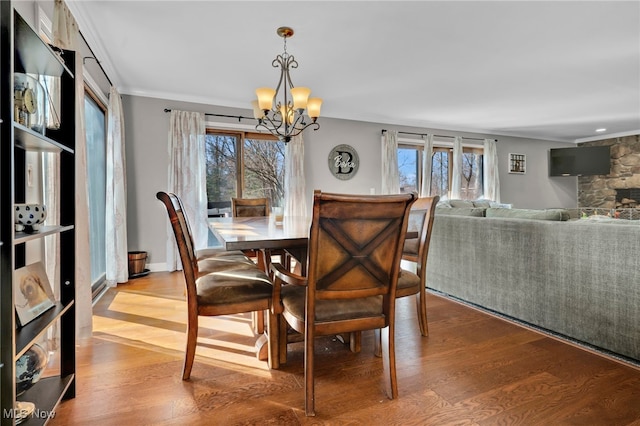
[[95, 118], [244, 165], [410, 169]]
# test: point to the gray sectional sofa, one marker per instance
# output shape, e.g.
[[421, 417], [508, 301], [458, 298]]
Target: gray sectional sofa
[[577, 278]]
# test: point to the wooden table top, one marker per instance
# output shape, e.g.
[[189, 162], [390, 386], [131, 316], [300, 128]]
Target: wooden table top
[[252, 233]]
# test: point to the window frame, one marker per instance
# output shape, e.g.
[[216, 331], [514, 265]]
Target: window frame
[[99, 285], [241, 137], [437, 147]]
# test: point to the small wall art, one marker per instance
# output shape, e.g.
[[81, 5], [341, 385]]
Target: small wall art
[[517, 163], [343, 162]]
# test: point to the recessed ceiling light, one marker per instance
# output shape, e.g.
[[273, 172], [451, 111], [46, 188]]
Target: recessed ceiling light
[[600, 130]]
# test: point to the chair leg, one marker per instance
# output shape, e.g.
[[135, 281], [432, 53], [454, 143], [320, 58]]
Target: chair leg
[[421, 304], [377, 343], [274, 337], [283, 332], [190, 351], [257, 318], [355, 341], [389, 361], [309, 384]]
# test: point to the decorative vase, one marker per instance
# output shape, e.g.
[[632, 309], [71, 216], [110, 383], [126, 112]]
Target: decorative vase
[[29, 367], [29, 217]]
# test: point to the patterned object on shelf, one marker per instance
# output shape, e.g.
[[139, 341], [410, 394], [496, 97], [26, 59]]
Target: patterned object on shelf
[[29, 217], [29, 367]]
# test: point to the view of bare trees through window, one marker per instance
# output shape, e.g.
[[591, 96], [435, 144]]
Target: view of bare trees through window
[[260, 160], [264, 170], [471, 175], [440, 173], [410, 167]]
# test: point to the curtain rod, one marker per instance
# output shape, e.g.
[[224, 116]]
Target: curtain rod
[[94, 57], [437, 136], [239, 117]]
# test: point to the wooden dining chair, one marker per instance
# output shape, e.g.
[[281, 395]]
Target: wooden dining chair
[[417, 250], [216, 285], [355, 245], [250, 207]]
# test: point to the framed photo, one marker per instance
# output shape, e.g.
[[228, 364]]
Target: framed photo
[[32, 292], [517, 163]]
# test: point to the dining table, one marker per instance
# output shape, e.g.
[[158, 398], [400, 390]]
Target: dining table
[[264, 233]]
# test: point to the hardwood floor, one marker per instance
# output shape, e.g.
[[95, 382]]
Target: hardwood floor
[[473, 369]]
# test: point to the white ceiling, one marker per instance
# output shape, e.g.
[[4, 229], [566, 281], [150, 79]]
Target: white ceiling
[[535, 69]]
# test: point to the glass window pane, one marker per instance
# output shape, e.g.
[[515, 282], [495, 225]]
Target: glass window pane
[[264, 170], [96, 180], [408, 168], [440, 173], [221, 163], [471, 176]]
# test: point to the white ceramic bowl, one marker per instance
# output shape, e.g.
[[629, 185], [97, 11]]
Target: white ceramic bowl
[[29, 217]]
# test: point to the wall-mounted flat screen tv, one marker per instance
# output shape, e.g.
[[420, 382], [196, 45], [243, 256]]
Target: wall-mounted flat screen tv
[[580, 161]]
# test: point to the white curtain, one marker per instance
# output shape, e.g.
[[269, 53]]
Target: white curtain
[[490, 175], [456, 175], [390, 172], [295, 199], [427, 158], [116, 200], [187, 178], [66, 36]]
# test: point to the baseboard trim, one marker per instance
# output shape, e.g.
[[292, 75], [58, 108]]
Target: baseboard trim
[[157, 267]]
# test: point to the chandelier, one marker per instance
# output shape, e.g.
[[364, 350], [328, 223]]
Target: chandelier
[[282, 111]]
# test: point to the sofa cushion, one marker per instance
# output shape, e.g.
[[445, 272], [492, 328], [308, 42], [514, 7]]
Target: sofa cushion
[[482, 203], [548, 214], [461, 211], [461, 203]]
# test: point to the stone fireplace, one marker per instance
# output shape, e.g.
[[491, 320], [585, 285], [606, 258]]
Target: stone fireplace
[[621, 184], [627, 198]]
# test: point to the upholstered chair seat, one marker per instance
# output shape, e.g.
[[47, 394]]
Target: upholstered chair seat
[[220, 263], [408, 283], [330, 310], [233, 285]]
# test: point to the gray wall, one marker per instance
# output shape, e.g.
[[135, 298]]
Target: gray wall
[[146, 136]]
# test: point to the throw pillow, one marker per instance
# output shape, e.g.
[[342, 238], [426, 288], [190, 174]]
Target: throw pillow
[[461, 203]]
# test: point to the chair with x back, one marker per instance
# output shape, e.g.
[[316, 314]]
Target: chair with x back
[[417, 250], [355, 245], [230, 284]]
